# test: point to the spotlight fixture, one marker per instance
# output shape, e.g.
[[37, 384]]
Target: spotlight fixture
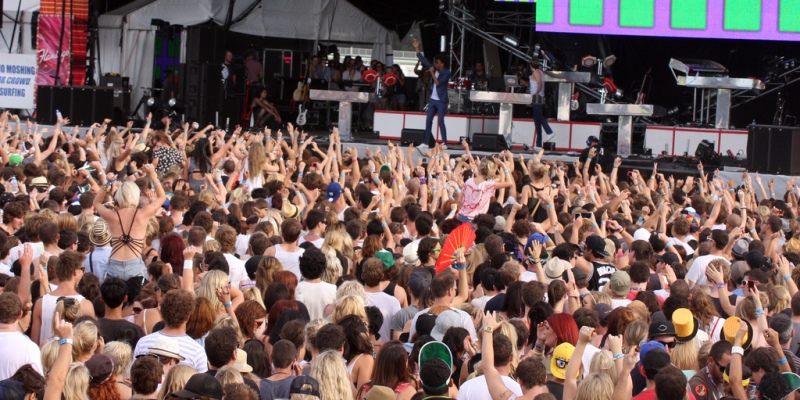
[[511, 40], [588, 61], [153, 102], [609, 61], [442, 5], [536, 49], [172, 102]]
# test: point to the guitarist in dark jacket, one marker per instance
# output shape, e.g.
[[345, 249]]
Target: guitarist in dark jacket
[[438, 103]]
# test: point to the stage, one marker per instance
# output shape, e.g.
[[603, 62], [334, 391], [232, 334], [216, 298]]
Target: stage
[[567, 136]]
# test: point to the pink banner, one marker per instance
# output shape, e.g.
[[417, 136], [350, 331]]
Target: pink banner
[[47, 49]]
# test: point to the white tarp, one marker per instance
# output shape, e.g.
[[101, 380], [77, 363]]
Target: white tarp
[[22, 28], [127, 38]]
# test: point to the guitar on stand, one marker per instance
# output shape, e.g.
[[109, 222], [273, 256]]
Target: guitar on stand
[[574, 104], [641, 96], [301, 95]]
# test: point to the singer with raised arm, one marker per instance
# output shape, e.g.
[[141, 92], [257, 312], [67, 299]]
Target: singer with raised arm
[[438, 102]]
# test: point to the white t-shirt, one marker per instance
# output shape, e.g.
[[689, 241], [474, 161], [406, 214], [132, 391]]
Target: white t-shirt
[[194, 353], [290, 261], [478, 389], [480, 302], [242, 242], [678, 242], [237, 271], [620, 303], [697, 272], [466, 322], [588, 354], [316, 296], [528, 276], [18, 350], [389, 306], [317, 243]]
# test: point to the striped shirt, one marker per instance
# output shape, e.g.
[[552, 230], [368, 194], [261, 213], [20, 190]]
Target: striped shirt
[[194, 353]]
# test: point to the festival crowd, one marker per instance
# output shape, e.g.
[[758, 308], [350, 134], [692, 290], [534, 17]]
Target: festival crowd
[[200, 264]]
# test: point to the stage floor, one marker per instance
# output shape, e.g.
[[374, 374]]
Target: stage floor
[[567, 136]]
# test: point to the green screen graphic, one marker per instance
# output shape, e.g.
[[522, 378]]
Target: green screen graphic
[[586, 12], [789, 16], [743, 15], [637, 13], [689, 14], [544, 11]]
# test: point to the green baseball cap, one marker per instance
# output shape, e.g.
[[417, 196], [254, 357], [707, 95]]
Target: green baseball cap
[[15, 159], [386, 258]]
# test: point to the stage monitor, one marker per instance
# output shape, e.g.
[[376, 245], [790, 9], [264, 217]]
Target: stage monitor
[[715, 19]]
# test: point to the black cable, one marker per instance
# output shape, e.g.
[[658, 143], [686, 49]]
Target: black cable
[[60, 44]]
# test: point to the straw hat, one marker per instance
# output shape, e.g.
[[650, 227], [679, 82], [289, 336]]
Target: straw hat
[[241, 364], [100, 235], [686, 324]]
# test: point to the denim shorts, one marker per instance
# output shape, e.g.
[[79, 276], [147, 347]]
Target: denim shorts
[[126, 269]]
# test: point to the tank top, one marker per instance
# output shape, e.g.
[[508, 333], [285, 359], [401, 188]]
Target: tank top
[[353, 364], [390, 289], [535, 85], [196, 183], [48, 309], [289, 260], [272, 390]]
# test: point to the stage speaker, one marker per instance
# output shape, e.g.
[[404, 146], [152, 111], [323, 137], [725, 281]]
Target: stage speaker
[[489, 142], [608, 137], [83, 105], [408, 136], [707, 153], [204, 44], [773, 149]]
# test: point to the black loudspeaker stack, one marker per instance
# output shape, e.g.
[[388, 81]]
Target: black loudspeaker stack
[[83, 105], [773, 149], [408, 136], [489, 142], [609, 133], [202, 91]]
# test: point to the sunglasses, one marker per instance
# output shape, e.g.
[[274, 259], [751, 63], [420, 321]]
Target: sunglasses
[[137, 310], [670, 345], [721, 367]]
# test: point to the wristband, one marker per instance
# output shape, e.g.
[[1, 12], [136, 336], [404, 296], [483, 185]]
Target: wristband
[[759, 312], [618, 356], [594, 224], [787, 277], [44, 268], [228, 304], [737, 350], [384, 225], [620, 229], [35, 143], [456, 266], [782, 361], [69, 342], [188, 264], [547, 207], [720, 285], [296, 192], [772, 195], [668, 245], [300, 174], [538, 346], [753, 230], [382, 201]]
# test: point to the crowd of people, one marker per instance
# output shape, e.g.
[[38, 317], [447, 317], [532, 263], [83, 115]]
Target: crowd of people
[[197, 264]]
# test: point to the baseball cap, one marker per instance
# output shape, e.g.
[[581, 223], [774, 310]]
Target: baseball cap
[[425, 323], [620, 283], [387, 259], [602, 310], [597, 245], [445, 321], [333, 192], [435, 350], [15, 159], [641, 234], [166, 347], [561, 356], [200, 385], [576, 272], [418, 281], [654, 362], [661, 328], [304, 384], [101, 368], [499, 223], [410, 254], [646, 348], [386, 168]]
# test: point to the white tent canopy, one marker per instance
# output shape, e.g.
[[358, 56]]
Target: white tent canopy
[[26, 9], [127, 38]]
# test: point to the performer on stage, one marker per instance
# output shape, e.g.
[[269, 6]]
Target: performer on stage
[[479, 77], [537, 90], [438, 102]]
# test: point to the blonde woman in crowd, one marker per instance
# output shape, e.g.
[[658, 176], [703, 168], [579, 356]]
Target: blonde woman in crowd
[[331, 374], [123, 354], [175, 380]]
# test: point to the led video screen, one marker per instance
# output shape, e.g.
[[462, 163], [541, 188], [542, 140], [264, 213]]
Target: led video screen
[[719, 19]]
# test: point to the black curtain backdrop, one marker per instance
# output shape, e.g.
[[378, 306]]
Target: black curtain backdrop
[[636, 54]]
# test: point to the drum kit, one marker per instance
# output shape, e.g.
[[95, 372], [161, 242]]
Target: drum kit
[[459, 102]]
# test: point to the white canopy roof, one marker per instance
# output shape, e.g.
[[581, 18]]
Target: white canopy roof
[[127, 37]]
